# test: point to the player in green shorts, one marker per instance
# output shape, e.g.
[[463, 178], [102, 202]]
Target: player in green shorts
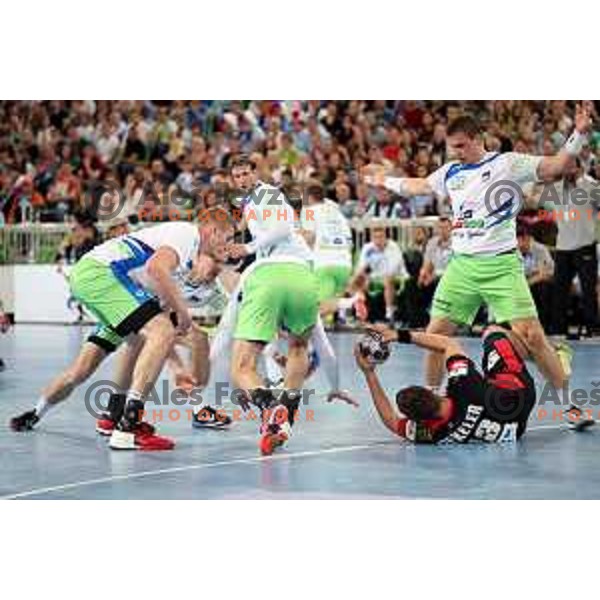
[[485, 194], [129, 284], [327, 232], [279, 290]]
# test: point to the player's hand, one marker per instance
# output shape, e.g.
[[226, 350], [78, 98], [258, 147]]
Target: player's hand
[[374, 175], [203, 269], [388, 334], [185, 381], [583, 116], [342, 395], [363, 363], [237, 251]]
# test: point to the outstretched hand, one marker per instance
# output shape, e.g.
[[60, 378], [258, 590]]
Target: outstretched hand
[[388, 334]]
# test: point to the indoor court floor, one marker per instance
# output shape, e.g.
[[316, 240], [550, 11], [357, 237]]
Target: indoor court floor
[[337, 452]]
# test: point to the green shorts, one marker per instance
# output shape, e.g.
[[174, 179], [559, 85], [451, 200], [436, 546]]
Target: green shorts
[[332, 281], [497, 281], [121, 306], [277, 295]]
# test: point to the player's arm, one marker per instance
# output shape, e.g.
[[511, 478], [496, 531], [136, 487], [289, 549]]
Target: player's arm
[[429, 341], [403, 186], [382, 403], [160, 270], [552, 168]]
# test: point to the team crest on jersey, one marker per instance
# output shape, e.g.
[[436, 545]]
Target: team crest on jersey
[[457, 183], [458, 368]]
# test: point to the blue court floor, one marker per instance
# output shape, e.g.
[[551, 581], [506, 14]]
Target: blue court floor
[[336, 452]]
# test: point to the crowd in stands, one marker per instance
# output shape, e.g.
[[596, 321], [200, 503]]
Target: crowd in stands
[[53, 154]]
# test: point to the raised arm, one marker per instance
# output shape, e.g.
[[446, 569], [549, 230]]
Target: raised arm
[[552, 168]]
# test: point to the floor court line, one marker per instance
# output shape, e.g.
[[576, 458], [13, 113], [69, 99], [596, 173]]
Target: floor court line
[[224, 463]]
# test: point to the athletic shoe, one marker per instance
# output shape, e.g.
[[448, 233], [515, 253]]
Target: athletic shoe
[[577, 420], [24, 422], [275, 430], [132, 440], [209, 418], [105, 426], [565, 355], [276, 436]]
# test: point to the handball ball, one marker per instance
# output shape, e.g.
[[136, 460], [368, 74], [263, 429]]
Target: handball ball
[[373, 348]]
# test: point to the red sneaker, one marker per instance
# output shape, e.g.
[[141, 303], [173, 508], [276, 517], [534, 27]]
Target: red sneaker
[[136, 440], [106, 426], [275, 430]]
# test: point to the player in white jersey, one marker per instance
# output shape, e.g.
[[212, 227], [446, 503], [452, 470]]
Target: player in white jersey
[[107, 281], [279, 291], [327, 231], [484, 189]]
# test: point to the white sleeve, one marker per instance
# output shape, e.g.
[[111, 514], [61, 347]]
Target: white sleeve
[[437, 180], [395, 263], [181, 237], [522, 168], [327, 355]]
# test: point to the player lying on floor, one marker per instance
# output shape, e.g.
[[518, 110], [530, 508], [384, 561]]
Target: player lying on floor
[[489, 407]]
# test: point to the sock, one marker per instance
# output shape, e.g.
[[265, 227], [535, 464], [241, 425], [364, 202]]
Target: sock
[[134, 407], [433, 388], [42, 407], [389, 313]]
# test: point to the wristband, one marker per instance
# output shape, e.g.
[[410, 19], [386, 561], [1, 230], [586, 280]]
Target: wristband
[[404, 336], [575, 143]]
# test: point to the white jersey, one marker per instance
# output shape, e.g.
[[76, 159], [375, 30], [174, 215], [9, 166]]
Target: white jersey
[[333, 238], [388, 262], [128, 254], [485, 199], [273, 224]]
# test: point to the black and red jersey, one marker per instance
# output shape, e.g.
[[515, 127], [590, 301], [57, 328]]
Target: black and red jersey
[[489, 407]]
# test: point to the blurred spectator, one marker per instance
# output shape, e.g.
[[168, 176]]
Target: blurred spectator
[[415, 300], [539, 270], [576, 246], [380, 270]]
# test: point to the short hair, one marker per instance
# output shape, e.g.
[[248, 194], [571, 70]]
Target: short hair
[[523, 230], [316, 190], [465, 124], [241, 160], [418, 403]]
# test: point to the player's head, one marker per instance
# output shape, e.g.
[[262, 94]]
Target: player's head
[[523, 238], [464, 140], [217, 229], [379, 237], [243, 172], [315, 193], [444, 228], [418, 403]]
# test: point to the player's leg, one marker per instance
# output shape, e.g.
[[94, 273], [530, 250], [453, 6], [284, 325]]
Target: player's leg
[[59, 389], [257, 324], [122, 373], [128, 309], [299, 315], [456, 301]]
